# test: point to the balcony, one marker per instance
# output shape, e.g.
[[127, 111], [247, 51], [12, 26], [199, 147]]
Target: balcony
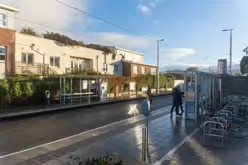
[[32, 69], [79, 70]]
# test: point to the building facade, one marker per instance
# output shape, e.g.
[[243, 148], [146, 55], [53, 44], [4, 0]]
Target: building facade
[[36, 55], [7, 40], [133, 69]]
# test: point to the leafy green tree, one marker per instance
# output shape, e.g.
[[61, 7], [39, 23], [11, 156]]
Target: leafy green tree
[[105, 49], [246, 69], [243, 63], [237, 74], [62, 39], [29, 31]]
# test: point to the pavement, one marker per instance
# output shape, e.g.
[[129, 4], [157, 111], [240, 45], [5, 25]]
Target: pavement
[[122, 139], [26, 132], [172, 140], [17, 112], [192, 152]]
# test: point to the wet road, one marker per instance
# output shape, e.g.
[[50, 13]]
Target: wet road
[[24, 133]]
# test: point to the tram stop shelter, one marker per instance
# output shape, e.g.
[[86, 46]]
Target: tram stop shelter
[[83, 89], [201, 89]]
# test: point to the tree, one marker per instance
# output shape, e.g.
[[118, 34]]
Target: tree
[[29, 31], [243, 63], [192, 69], [237, 74], [62, 39], [105, 49], [246, 69]]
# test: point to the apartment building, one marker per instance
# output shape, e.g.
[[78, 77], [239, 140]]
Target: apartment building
[[131, 64], [7, 40], [36, 55]]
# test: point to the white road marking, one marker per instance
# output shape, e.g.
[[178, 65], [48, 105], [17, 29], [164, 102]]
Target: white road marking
[[82, 133], [174, 149]]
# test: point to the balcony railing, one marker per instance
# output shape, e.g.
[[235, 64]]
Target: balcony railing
[[31, 68], [79, 70]]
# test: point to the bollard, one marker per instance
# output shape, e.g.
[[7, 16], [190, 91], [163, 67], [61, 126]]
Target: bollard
[[144, 144], [47, 97]]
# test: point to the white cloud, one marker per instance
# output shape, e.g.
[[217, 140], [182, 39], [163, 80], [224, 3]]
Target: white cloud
[[144, 9], [176, 52], [183, 66], [47, 12], [131, 42]]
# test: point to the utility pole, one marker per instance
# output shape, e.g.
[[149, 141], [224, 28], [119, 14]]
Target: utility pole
[[158, 87], [230, 30]]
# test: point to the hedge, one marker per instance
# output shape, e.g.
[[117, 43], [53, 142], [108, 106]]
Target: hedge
[[28, 90], [141, 81]]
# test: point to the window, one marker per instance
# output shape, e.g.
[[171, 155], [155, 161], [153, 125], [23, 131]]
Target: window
[[135, 69], [55, 61], [3, 20], [116, 68], [105, 67], [3, 52], [153, 71], [27, 58], [143, 70]]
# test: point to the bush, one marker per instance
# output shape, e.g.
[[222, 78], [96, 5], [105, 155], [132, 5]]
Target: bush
[[3, 96], [27, 90], [97, 161]]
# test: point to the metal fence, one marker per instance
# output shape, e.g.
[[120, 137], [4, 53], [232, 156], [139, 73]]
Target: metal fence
[[235, 85]]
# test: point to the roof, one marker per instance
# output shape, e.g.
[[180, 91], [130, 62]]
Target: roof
[[246, 74], [139, 63], [9, 8], [246, 49]]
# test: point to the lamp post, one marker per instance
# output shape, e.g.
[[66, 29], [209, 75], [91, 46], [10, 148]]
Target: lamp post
[[158, 87], [230, 30]]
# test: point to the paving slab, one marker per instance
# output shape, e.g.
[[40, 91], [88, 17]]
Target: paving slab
[[234, 152], [165, 133]]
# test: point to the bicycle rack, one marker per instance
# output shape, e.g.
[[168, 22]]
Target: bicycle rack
[[222, 136]]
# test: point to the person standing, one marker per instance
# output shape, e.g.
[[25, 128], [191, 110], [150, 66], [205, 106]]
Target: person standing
[[181, 99], [149, 94], [176, 94]]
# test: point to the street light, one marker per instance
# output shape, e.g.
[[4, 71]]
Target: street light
[[230, 30], [158, 64]]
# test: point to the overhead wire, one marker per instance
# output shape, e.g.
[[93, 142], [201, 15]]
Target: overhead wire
[[104, 20], [64, 31]]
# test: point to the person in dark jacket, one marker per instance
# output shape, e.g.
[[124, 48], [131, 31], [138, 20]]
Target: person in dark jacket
[[149, 94], [176, 94], [181, 99]]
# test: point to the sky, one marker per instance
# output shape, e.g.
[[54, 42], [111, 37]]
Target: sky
[[191, 29]]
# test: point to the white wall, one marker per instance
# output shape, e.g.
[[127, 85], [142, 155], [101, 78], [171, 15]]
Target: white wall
[[131, 56], [50, 48]]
